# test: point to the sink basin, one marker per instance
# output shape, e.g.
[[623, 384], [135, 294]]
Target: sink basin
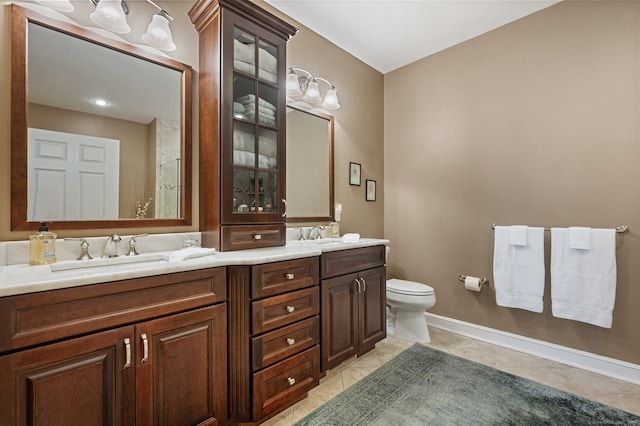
[[106, 265]]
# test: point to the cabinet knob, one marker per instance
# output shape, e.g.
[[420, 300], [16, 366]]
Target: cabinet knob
[[291, 381], [290, 276], [257, 237], [290, 308], [291, 341]]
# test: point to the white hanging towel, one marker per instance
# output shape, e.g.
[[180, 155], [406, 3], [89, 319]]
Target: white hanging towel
[[518, 270], [583, 281]]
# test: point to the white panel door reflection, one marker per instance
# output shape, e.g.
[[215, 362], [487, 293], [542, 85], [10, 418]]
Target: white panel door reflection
[[72, 177]]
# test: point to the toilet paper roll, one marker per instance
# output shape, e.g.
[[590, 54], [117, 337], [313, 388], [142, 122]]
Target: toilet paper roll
[[472, 283]]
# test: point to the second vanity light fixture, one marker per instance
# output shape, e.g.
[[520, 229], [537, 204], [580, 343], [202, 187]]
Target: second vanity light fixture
[[307, 86], [111, 14]]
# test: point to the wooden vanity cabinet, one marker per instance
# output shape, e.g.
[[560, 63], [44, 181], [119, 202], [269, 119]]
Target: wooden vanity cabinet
[[242, 124], [353, 299], [274, 330], [144, 351]]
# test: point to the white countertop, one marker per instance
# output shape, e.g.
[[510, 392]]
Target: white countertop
[[23, 279]]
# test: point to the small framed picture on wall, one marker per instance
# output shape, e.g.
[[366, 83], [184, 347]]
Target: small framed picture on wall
[[355, 173], [371, 190]]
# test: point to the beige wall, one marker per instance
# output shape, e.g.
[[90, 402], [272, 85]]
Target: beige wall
[[358, 123], [534, 123]]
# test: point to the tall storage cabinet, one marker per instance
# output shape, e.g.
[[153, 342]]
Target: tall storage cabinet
[[242, 124]]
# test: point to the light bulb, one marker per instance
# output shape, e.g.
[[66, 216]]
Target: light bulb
[[109, 15], [331, 99], [293, 86], [158, 33], [312, 95]]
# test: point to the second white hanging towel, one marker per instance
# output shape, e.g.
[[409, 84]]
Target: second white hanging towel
[[518, 269], [583, 281]]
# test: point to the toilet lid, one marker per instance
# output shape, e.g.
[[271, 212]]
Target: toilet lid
[[408, 287]]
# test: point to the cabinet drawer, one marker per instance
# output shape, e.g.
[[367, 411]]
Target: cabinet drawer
[[279, 277], [342, 262], [284, 342], [277, 311], [243, 237], [35, 318], [276, 387]]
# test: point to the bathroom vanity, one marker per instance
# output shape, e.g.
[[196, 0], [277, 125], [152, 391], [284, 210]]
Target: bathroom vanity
[[232, 338]]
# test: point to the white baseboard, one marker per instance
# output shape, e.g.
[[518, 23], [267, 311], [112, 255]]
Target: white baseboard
[[596, 363]]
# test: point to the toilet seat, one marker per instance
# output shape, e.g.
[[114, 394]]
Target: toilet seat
[[409, 288]]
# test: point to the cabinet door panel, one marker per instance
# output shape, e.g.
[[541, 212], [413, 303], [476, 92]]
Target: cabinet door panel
[[76, 382], [339, 315], [183, 380], [372, 313]]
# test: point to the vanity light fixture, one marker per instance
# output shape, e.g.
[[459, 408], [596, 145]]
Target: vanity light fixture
[[307, 86], [111, 14]]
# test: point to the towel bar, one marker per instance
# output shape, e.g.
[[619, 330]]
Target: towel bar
[[619, 229]]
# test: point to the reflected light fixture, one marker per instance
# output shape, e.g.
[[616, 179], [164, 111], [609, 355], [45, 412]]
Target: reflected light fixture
[[307, 86], [59, 5]]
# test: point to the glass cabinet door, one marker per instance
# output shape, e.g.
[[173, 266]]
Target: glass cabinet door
[[256, 133]]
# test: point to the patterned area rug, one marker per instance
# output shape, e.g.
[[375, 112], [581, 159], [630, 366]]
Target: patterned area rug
[[425, 386]]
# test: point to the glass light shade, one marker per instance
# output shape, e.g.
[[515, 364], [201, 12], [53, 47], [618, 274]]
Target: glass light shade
[[293, 86], [158, 34], [109, 15], [331, 100], [59, 5], [312, 95]]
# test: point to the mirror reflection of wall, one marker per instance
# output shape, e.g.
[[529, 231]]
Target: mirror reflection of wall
[[309, 165], [66, 74]]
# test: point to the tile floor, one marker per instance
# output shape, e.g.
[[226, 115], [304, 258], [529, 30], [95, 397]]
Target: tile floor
[[616, 393]]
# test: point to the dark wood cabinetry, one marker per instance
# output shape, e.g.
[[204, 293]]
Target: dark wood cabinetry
[[242, 124], [274, 354], [353, 298], [160, 359]]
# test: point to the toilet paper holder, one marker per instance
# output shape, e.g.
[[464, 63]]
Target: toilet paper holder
[[483, 281]]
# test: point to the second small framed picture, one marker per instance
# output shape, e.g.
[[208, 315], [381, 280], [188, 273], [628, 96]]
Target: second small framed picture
[[371, 190], [355, 173]]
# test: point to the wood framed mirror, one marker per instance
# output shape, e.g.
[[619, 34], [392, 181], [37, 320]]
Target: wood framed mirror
[[126, 165], [310, 191]]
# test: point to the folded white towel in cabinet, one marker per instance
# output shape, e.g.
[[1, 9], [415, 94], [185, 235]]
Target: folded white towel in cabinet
[[518, 271], [583, 282]]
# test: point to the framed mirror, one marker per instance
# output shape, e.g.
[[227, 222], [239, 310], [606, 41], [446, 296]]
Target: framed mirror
[[101, 130], [310, 196]]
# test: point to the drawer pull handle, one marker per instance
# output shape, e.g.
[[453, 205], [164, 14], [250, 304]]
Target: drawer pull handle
[[291, 381], [290, 308], [291, 341], [127, 351], [364, 284], [257, 237], [290, 276], [145, 348]]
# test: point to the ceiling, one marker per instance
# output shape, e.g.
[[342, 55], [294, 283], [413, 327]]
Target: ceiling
[[388, 34]]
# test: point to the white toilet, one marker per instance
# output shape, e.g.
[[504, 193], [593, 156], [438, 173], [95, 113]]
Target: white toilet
[[406, 303]]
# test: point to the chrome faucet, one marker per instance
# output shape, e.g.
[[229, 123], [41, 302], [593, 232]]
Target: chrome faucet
[[111, 246], [318, 232]]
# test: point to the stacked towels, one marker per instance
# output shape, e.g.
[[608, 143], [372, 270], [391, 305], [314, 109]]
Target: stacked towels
[[266, 111], [244, 150], [518, 267], [244, 60]]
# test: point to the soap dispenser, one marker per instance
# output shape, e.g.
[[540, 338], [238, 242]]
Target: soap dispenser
[[42, 246]]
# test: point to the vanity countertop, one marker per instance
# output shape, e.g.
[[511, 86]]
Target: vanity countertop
[[23, 279]]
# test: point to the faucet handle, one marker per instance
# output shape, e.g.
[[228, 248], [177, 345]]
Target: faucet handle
[[132, 244], [84, 246]]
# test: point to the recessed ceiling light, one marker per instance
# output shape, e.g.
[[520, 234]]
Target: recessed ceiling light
[[100, 102]]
